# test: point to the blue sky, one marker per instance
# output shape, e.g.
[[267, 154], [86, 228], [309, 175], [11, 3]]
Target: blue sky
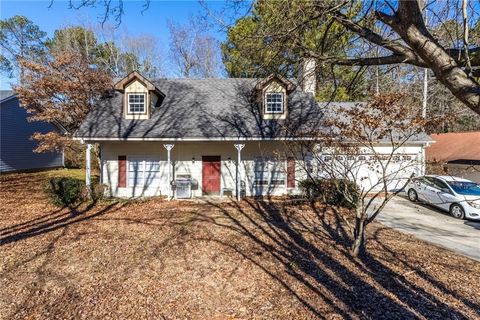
[[152, 22]]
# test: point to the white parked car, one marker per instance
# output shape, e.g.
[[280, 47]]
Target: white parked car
[[459, 197]]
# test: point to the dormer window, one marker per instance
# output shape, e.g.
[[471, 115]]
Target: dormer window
[[272, 93], [136, 102], [140, 96], [274, 102]]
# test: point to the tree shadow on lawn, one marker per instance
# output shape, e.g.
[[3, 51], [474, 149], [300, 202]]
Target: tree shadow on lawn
[[52, 221], [30, 223], [404, 285], [29, 303], [308, 254], [349, 287]]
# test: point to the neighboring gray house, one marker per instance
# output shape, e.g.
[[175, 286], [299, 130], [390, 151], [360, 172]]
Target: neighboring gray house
[[16, 147]]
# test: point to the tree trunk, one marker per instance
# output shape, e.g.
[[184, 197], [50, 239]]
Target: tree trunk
[[408, 23], [358, 246], [446, 69]]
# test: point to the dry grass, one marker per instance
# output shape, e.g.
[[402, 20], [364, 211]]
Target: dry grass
[[192, 260]]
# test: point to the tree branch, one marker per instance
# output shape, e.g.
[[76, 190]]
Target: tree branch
[[375, 61], [407, 54]]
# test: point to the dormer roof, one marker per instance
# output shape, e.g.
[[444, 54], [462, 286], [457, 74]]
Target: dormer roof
[[290, 86], [135, 75]]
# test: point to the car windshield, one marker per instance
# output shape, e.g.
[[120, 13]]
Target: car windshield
[[465, 188]]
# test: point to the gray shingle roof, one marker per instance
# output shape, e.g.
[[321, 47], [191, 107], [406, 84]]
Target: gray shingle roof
[[331, 111], [6, 93], [202, 108], [210, 109]]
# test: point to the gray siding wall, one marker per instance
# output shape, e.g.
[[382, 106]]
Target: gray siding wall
[[16, 147]]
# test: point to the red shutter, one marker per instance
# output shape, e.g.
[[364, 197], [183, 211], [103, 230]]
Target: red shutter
[[122, 171], [291, 173]]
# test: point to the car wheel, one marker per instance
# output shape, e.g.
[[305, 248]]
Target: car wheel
[[412, 195], [457, 211]]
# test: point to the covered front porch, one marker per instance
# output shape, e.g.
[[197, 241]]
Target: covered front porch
[[179, 169]]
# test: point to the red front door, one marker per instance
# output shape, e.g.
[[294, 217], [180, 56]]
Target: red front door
[[211, 174]]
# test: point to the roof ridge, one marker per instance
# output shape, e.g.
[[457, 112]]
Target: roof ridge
[[203, 79]]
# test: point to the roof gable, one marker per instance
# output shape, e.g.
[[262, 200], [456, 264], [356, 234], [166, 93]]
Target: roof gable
[[135, 75], [289, 86]]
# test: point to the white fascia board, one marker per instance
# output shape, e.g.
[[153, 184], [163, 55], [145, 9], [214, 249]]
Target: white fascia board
[[194, 139]]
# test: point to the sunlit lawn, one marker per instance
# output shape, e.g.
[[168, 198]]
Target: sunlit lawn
[[192, 259]]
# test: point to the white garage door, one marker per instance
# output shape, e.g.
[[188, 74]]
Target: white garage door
[[368, 174]]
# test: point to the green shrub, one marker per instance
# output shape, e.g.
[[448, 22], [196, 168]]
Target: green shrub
[[331, 191], [63, 191], [97, 190]]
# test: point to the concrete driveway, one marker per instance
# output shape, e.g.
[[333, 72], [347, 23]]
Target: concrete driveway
[[432, 225]]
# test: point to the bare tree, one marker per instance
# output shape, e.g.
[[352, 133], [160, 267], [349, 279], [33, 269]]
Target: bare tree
[[417, 46], [80, 39], [367, 144], [109, 51], [411, 43], [193, 52], [120, 53], [113, 9], [142, 53]]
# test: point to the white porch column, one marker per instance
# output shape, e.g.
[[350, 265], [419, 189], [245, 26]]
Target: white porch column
[[169, 147], [88, 166], [239, 148]]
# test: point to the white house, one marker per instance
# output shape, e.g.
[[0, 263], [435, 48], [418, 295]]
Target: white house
[[185, 137]]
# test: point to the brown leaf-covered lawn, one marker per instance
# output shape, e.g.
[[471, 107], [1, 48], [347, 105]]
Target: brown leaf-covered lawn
[[202, 260]]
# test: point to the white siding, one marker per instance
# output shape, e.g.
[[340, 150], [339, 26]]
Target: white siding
[[187, 159]]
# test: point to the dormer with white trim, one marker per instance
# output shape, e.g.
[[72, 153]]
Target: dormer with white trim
[[140, 96], [273, 94]]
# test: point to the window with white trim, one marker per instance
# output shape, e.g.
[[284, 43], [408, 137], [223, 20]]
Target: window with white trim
[[152, 173], [269, 172], [135, 172], [143, 172], [136, 102], [274, 102]]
